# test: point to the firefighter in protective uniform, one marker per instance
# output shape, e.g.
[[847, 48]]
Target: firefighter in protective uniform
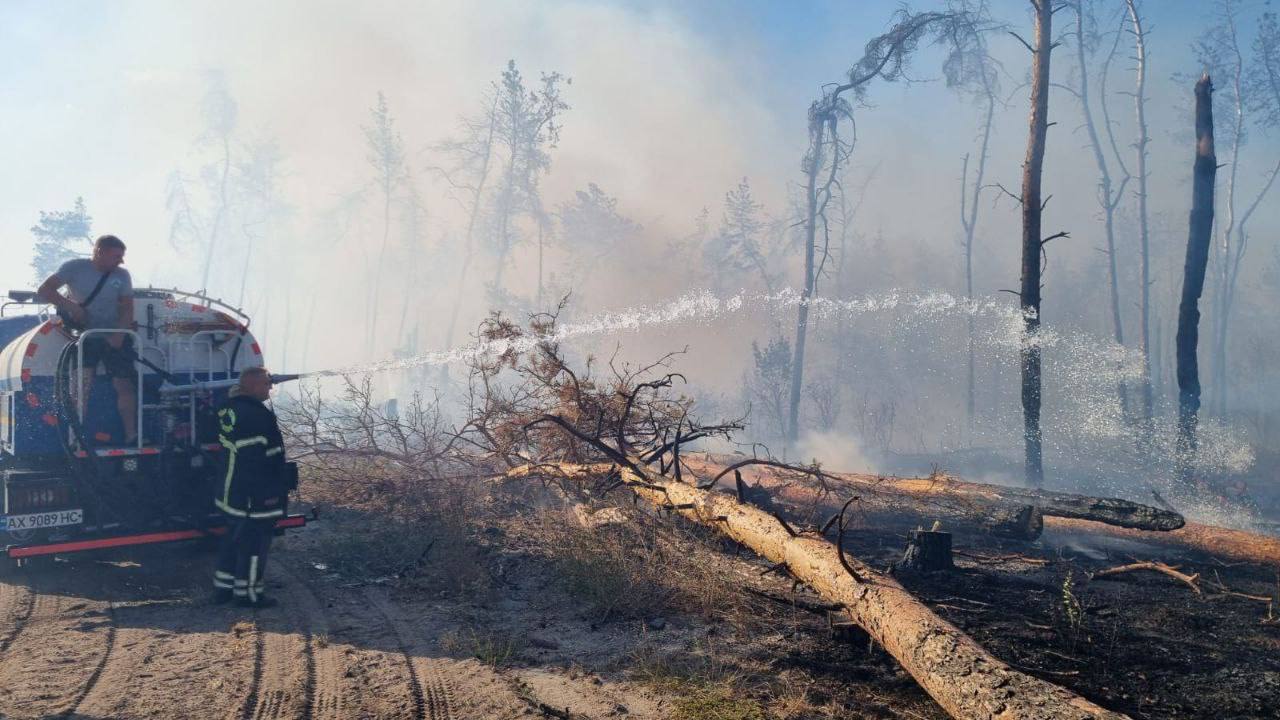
[[253, 491]]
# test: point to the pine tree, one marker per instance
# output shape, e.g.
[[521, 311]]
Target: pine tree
[[61, 235]]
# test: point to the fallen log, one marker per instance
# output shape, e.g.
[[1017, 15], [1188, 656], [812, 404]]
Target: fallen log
[[957, 672], [975, 500], [886, 501], [1218, 541]]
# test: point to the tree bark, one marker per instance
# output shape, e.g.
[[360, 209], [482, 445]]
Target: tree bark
[[1033, 243], [957, 672], [1199, 237]]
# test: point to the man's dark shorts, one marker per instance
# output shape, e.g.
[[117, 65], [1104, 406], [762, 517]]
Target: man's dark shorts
[[115, 360]]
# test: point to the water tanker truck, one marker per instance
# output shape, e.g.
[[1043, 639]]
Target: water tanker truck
[[68, 482]]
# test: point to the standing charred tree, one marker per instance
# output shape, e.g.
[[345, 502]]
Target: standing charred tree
[[1218, 49], [386, 155], [885, 57], [1199, 237], [1033, 241], [1248, 93]]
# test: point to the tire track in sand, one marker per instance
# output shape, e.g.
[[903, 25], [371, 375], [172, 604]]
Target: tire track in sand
[[17, 601], [92, 682], [283, 684], [325, 664], [433, 694], [171, 659], [56, 655]]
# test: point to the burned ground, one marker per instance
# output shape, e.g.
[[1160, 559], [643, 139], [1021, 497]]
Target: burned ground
[[528, 606]]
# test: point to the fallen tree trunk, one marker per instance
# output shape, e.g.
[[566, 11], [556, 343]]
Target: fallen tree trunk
[[1111, 511], [1219, 541], [1062, 512], [890, 501], [964, 679], [1007, 511]]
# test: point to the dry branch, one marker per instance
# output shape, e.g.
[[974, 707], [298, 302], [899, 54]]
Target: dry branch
[[1159, 567], [966, 680]]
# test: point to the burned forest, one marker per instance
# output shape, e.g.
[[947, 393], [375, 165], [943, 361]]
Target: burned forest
[[597, 360]]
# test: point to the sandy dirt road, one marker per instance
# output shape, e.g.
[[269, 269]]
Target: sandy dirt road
[[135, 636]]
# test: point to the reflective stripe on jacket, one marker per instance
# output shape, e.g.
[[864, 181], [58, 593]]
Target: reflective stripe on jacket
[[253, 484]]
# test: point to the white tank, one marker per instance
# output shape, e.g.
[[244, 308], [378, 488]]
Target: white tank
[[185, 335]]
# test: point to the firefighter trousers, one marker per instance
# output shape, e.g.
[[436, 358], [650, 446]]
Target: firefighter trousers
[[242, 557]]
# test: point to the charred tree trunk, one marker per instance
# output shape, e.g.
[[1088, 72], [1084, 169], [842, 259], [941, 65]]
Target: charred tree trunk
[[814, 162], [927, 551], [1199, 237], [1033, 242]]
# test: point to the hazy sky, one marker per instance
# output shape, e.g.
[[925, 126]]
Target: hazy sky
[[672, 103]]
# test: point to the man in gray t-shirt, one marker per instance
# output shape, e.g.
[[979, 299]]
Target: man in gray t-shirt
[[111, 307]]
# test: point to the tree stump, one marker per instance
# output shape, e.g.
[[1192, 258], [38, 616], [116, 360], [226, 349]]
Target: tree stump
[[927, 551]]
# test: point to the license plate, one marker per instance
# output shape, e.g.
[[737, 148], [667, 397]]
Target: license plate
[[35, 521]]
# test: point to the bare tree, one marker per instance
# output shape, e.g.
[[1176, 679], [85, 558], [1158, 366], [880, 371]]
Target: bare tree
[[468, 175], [1199, 239], [1110, 193], [1144, 233], [982, 81], [1261, 90], [1033, 241], [257, 191], [884, 57], [220, 113], [386, 156]]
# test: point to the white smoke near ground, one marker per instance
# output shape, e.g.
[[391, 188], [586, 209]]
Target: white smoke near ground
[[835, 451]]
